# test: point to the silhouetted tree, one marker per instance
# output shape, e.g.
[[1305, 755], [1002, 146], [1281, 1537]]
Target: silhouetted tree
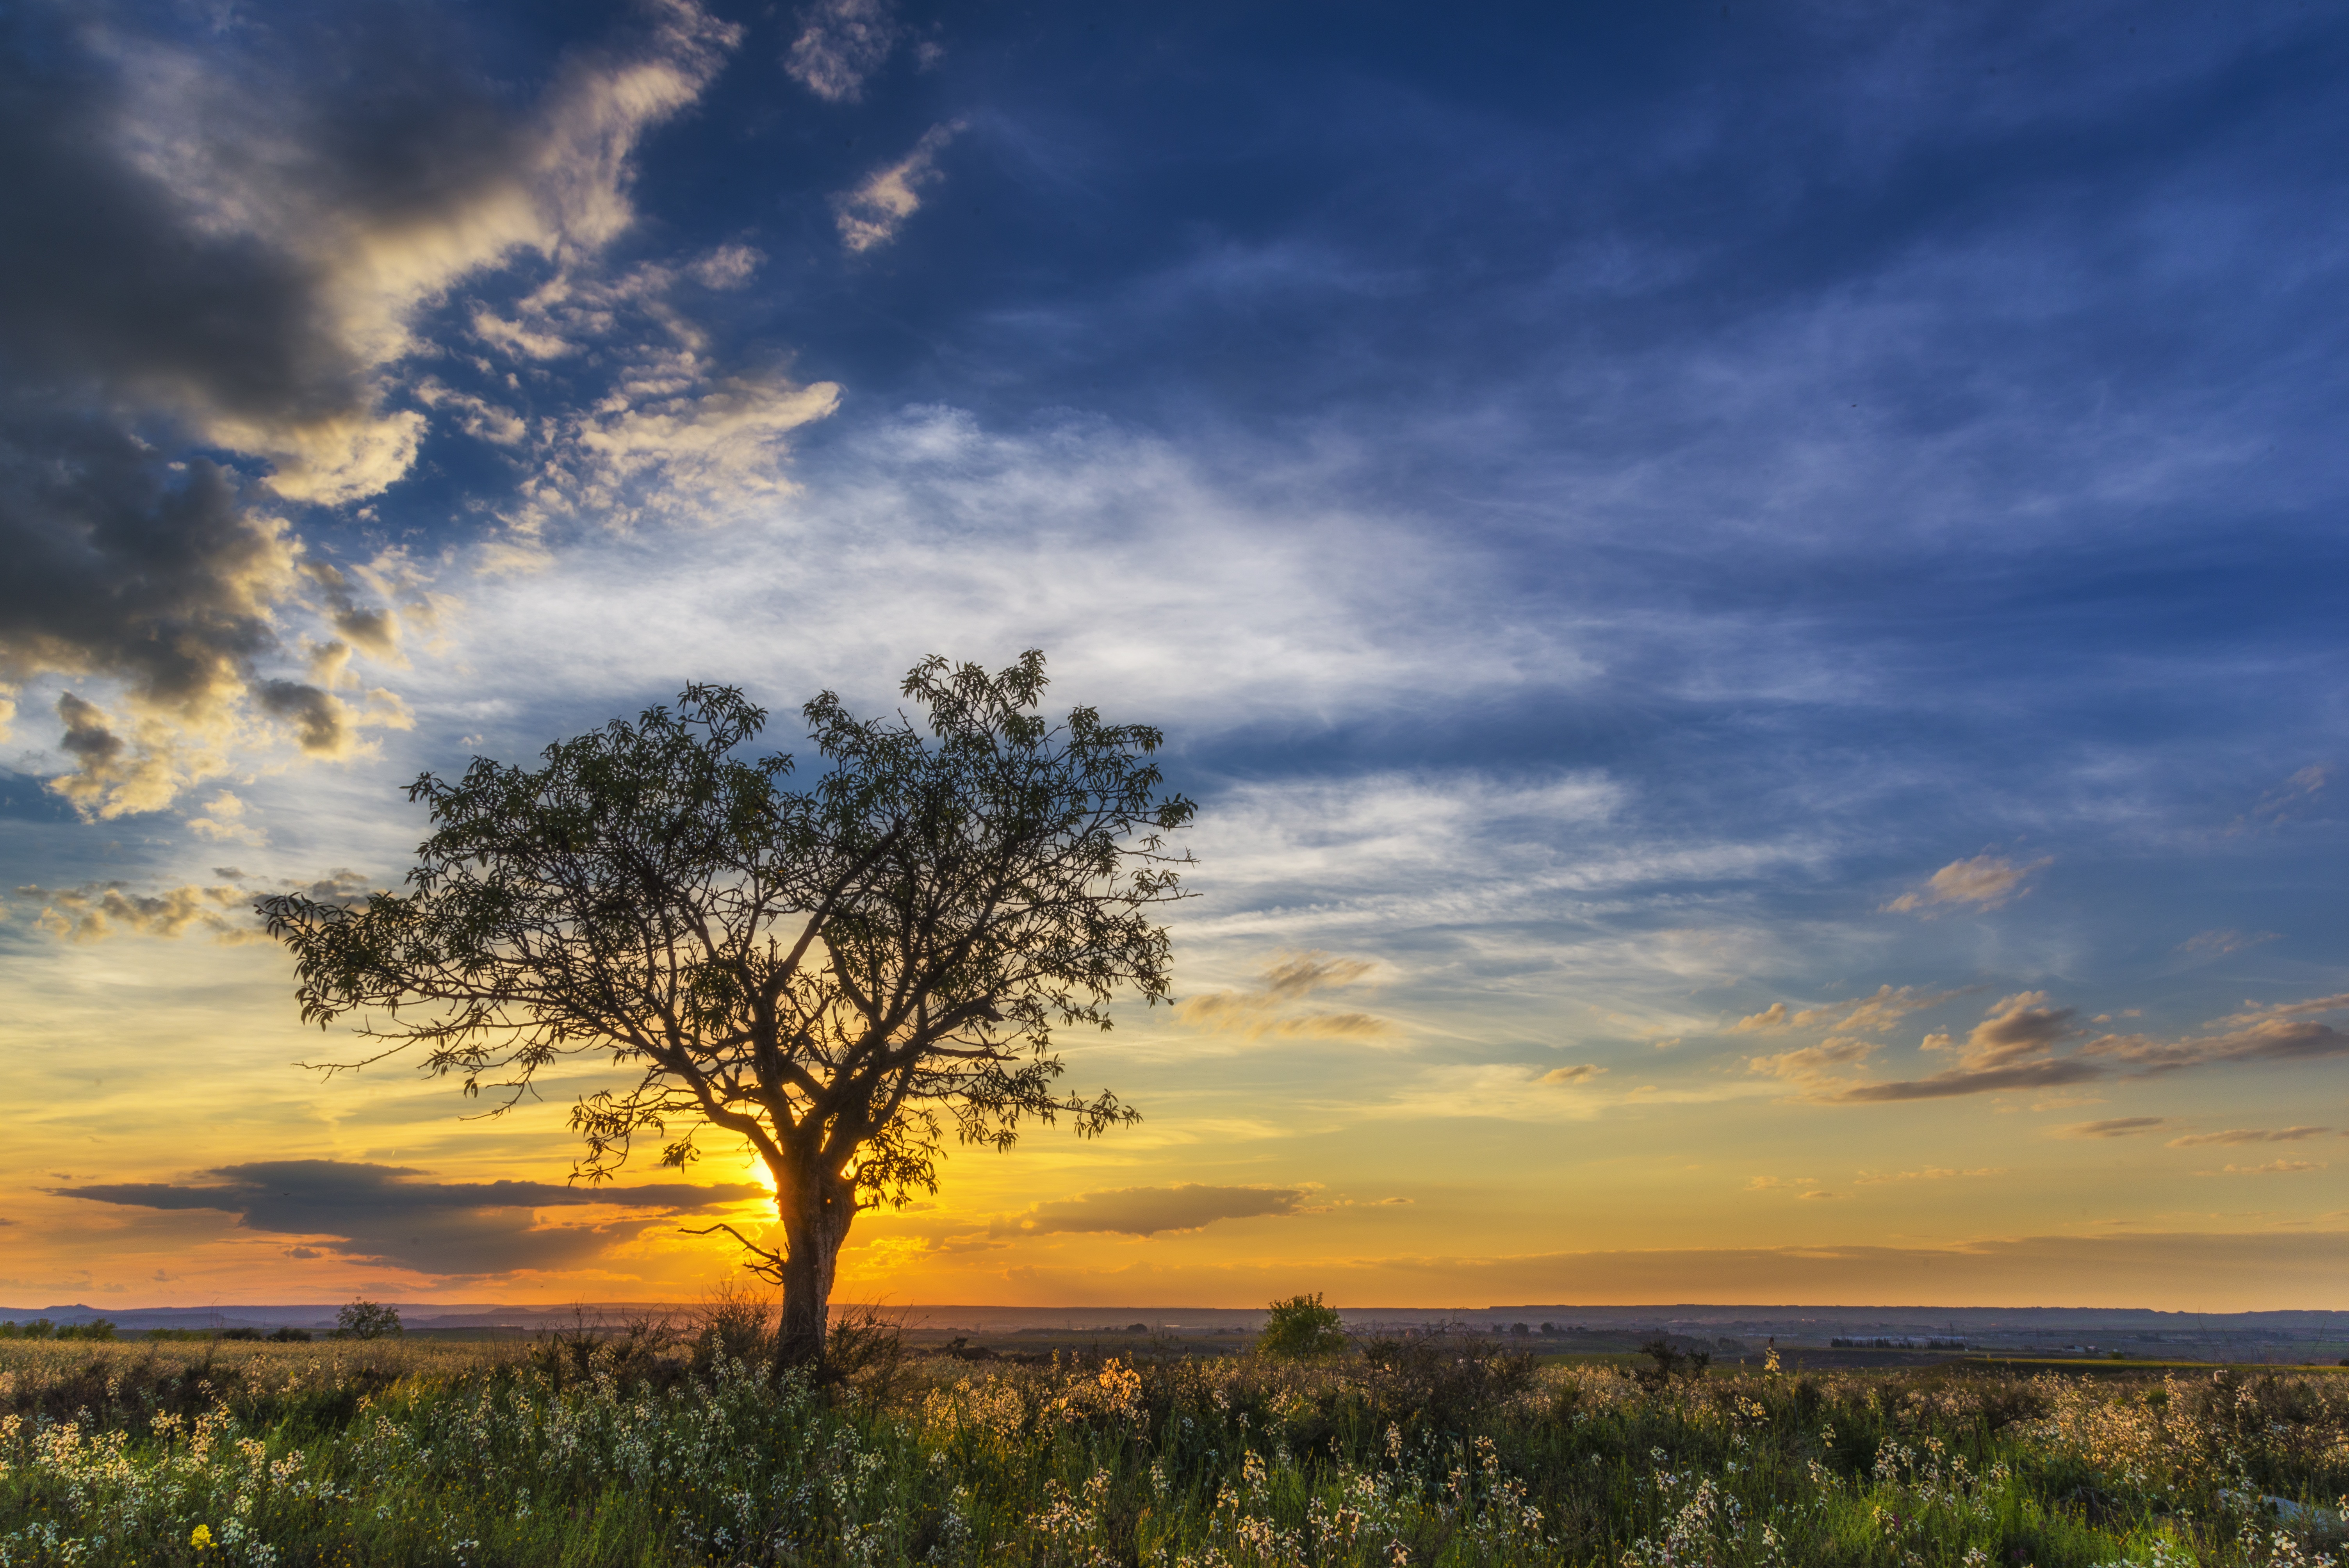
[[834, 974], [363, 1319]]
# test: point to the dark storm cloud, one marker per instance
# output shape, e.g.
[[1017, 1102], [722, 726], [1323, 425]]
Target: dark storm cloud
[[216, 243], [132, 317], [380, 1213], [118, 567]]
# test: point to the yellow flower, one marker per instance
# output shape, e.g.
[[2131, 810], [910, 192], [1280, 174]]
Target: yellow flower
[[201, 1538]]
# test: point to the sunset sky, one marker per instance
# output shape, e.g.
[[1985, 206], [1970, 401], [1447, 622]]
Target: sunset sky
[[1752, 596]]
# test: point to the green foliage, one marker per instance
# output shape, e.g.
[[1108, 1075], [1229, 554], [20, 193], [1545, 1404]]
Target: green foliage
[[1301, 1329], [38, 1328], [364, 1319], [408, 1452]]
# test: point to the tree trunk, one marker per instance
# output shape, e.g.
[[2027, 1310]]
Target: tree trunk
[[816, 1212]]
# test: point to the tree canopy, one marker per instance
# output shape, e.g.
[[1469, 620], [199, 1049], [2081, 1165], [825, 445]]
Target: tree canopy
[[835, 974]]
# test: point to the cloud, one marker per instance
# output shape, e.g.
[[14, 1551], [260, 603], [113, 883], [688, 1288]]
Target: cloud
[[1802, 1187], [1582, 1073], [840, 44], [874, 212], [1821, 1063], [307, 225], [381, 1214], [2013, 1049], [2288, 801], [97, 911], [1878, 1012], [2114, 1126], [1251, 1014], [2249, 1135], [2272, 1167], [223, 823], [1149, 1211], [1930, 1173], [2282, 1032], [1985, 882], [2218, 944], [2008, 1049]]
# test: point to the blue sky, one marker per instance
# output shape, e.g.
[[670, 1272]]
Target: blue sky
[[1631, 519]]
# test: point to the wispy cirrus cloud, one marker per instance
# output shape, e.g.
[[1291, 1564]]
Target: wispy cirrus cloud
[[2294, 797], [1930, 1173], [2221, 943], [1151, 1210], [2234, 1135], [1801, 1187], [1876, 1012], [2116, 1127]]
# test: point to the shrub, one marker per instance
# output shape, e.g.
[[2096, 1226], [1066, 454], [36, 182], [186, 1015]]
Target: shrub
[[1671, 1363], [733, 1324], [1301, 1328], [289, 1335]]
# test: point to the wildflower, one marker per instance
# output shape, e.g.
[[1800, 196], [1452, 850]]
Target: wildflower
[[201, 1538]]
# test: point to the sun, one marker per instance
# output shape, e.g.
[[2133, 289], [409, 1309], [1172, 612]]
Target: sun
[[760, 1174]]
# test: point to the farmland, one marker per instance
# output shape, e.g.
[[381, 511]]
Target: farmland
[[646, 1449]]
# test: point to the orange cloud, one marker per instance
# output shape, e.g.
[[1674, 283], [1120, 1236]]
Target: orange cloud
[[1985, 882]]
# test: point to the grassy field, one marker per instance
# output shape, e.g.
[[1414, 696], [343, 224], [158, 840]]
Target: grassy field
[[644, 1451]]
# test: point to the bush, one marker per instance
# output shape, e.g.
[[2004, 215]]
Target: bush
[[1301, 1329], [1670, 1362], [289, 1335], [364, 1319], [1442, 1382]]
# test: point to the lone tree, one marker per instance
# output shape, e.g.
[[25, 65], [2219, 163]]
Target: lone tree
[[835, 974]]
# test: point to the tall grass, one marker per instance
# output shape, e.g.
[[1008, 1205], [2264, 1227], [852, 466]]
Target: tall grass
[[1433, 1453]]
